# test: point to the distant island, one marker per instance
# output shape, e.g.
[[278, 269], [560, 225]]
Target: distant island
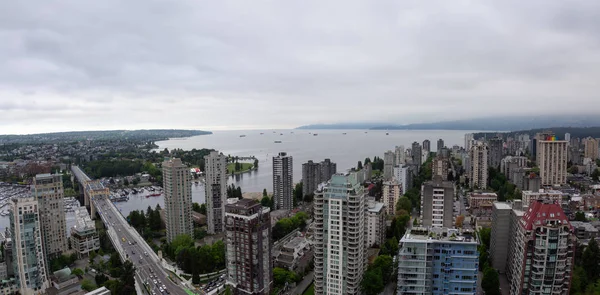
[[508, 123], [127, 135]]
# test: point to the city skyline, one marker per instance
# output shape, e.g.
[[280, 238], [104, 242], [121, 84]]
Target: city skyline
[[414, 61]]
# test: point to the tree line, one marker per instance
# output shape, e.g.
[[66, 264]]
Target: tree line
[[285, 226], [147, 224], [195, 260]]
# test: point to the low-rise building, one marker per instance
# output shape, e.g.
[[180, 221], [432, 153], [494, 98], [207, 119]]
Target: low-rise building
[[84, 237], [477, 199], [375, 223], [99, 291], [591, 201], [63, 282], [295, 255], [532, 196], [584, 230]]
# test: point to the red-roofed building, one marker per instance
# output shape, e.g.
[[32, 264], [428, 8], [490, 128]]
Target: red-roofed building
[[540, 258]]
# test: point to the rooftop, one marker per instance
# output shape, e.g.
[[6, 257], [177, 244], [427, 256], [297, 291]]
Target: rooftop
[[295, 242], [586, 225], [376, 207], [83, 220], [440, 234], [502, 206], [541, 212]]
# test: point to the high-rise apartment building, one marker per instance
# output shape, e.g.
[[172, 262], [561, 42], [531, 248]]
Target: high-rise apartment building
[[29, 259], [314, 174], [478, 172], [283, 181], [249, 259], [534, 143], [440, 145], [375, 223], [437, 203], [48, 190], [215, 191], [84, 237], [178, 198], [403, 175], [540, 257], [568, 137], [400, 155], [427, 146], [501, 221], [340, 230], [509, 164], [469, 140], [495, 152], [417, 154], [437, 261], [440, 167], [389, 161], [552, 161], [391, 192], [590, 148]]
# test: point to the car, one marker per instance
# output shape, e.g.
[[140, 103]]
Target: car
[[154, 282], [132, 252], [141, 257], [163, 286], [145, 253], [160, 289]]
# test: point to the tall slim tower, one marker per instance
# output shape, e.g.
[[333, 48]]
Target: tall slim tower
[[29, 260], [590, 148], [249, 259], [478, 172], [389, 161], [437, 201], [495, 152], [552, 161], [427, 145], [340, 246], [417, 154], [283, 181], [215, 189], [48, 190], [400, 155], [178, 198], [440, 145]]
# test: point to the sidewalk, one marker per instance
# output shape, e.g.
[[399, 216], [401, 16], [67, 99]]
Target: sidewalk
[[299, 289]]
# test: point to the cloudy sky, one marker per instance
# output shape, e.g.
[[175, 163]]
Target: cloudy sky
[[112, 64]]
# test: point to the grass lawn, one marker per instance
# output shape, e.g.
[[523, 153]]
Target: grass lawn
[[310, 290], [245, 167]]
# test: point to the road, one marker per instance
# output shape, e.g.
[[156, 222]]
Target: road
[[147, 265]]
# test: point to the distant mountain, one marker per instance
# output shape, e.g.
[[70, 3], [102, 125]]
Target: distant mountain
[[491, 123], [134, 135]]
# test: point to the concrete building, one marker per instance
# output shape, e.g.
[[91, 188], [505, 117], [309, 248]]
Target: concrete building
[[440, 145], [295, 255], [48, 190], [534, 143], [568, 137], [99, 291], [389, 161], [441, 167], [215, 191], [505, 220], [417, 154], [478, 172], [404, 176], [427, 146], [549, 195], [584, 231], [283, 181], [540, 258], [84, 237], [29, 259], [552, 161], [375, 223], [340, 233], [590, 148], [469, 141], [392, 191], [400, 155], [510, 163], [495, 152], [249, 259], [178, 199], [437, 261], [478, 199], [314, 174], [437, 203]]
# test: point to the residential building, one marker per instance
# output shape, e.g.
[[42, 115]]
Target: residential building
[[532, 196], [48, 190], [441, 167], [215, 191], [389, 159], [568, 137], [283, 181], [540, 258], [404, 176], [437, 203], [249, 259], [417, 154], [400, 155], [510, 163], [534, 143], [552, 161], [440, 145], [495, 152], [469, 140], [99, 291], [478, 173], [178, 198], [392, 191], [315, 173], [505, 220], [29, 259], [295, 255], [340, 230], [328, 169], [584, 230], [84, 237], [427, 146], [478, 199], [438, 261], [444, 152], [375, 223], [590, 148]]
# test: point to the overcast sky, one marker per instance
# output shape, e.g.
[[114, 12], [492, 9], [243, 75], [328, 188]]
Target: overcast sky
[[113, 64]]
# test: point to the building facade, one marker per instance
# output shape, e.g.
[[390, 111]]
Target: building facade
[[403, 175], [440, 145], [29, 259], [178, 199], [314, 174], [392, 191], [400, 154], [427, 145], [552, 161], [249, 259], [417, 154], [84, 237], [376, 214], [505, 221], [437, 261], [590, 148], [478, 172], [437, 203], [469, 139], [283, 181], [529, 197], [541, 252], [48, 190], [441, 167], [389, 161], [215, 191], [340, 233], [495, 152]]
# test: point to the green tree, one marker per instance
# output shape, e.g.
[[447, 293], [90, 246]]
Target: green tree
[[359, 166], [78, 272], [88, 285], [265, 201], [126, 182], [591, 260], [490, 282], [580, 216], [485, 234], [265, 193], [386, 264], [298, 192], [595, 174], [255, 163], [196, 207], [404, 204], [372, 282], [579, 281], [100, 279]]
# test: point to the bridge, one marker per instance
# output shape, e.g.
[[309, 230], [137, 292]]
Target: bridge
[[127, 241]]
